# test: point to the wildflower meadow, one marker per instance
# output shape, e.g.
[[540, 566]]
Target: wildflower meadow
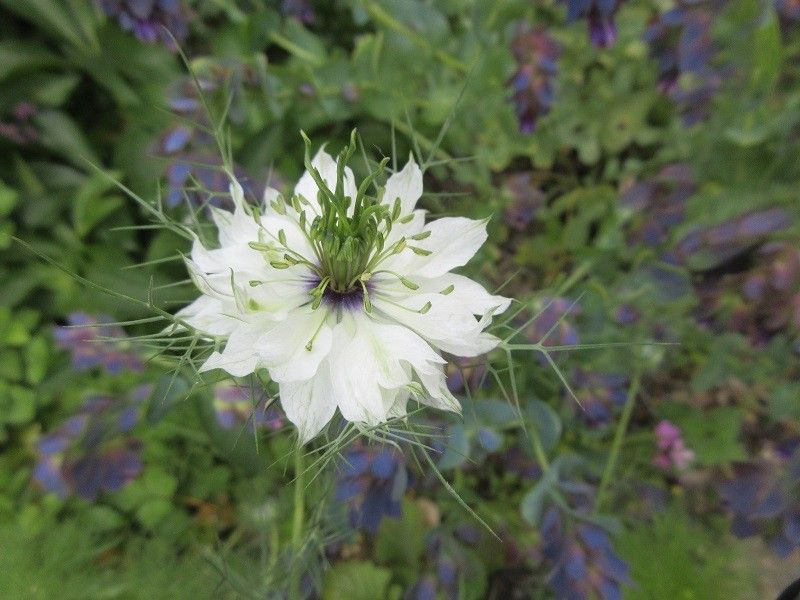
[[400, 299]]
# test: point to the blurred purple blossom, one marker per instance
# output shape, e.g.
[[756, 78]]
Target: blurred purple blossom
[[195, 170], [553, 324], [300, 10], [680, 40], [757, 302], [584, 564], [235, 406], [150, 20], [19, 129], [527, 199], [764, 500], [91, 452], [372, 481], [788, 9], [532, 84], [466, 374], [659, 203], [600, 17], [712, 246], [93, 343], [672, 451], [598, 395]]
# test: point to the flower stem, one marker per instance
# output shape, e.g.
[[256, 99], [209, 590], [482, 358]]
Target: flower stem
[[297, 522], [619, 438]]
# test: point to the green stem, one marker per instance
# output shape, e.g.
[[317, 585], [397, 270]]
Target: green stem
[[384, 18], [619, 438], [297, 522]]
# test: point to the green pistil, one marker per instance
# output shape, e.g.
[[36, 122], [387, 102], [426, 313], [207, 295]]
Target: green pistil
[[348, 248]]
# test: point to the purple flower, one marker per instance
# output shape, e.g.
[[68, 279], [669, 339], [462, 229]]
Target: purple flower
[[466, 373], [532, 84], [600, 17], [680, 40], [584, 564], [659, 203], [195, 171], [19, 129], [91, 452], [372, 482], [300, 10], [552, 326], [788, 9], [527, 200], [763, 498], [93, 344], [672, 451], [234, 406], [598, 394], [150, 20]]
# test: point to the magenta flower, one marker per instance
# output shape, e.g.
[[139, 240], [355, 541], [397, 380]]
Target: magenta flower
[[672, 451]]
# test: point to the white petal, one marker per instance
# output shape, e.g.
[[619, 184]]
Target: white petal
[[466, 292], [326, 166], [406, 185], [413, 227], [447, 325], [309, 404], [438, 395], [284, 348], [452, 243], [238, 358], [354, 376], [207, 314]]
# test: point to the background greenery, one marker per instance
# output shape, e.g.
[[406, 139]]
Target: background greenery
[[642, 191]]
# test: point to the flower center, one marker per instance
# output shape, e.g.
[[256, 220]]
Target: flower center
[[348, 234]]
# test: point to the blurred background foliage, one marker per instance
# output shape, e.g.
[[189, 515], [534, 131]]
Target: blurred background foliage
[[640, 160]]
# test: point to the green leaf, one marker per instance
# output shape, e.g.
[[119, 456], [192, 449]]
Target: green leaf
[[411, 529], [61, 134], [547, 422], [356, 580], [784, 402], [713, 435], [167, 392], [36, 357], [533, 503], [768, 54], [152, 512]]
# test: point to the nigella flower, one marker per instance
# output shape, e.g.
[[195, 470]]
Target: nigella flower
[[536, 54], [600, 16], [372, 481], [91, 452], [344, 297], [94, 344]]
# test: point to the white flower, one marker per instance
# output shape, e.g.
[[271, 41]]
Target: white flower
[[346, 299]]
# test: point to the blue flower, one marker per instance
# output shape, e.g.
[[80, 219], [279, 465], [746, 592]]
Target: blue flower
[[600, 17], [91, 452], [93, 344], [532, 84], [150, 20], [372, 481]]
